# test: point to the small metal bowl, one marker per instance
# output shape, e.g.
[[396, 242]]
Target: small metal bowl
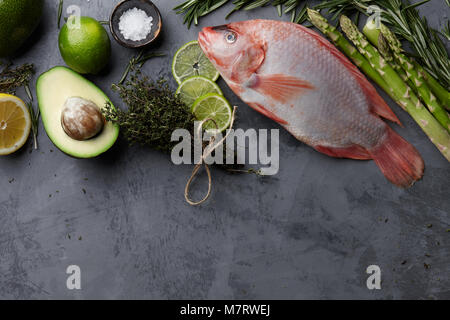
[[145, 5]]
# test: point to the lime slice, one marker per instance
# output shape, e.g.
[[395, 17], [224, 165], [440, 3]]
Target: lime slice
[[213, 106], [191, 61], [195, 87]]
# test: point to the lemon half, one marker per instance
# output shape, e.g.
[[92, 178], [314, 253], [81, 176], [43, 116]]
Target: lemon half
[[15, 124]]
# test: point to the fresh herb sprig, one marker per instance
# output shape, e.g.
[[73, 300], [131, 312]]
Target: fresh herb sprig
[[446, 31], [139, 61], [154, 112], [194, 9], [34, 115], [60, 10], [12, 79]]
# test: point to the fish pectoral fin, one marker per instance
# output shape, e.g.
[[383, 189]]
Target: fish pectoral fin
[[281, 88], [266, 112], [352, 152]]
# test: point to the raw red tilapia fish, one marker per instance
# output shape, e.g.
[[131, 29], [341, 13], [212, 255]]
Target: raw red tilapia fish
[[297, 78]]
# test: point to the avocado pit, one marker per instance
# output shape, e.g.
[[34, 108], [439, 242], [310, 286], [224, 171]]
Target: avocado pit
[[81, 119]]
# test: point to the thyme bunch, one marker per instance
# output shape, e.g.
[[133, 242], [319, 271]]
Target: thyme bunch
[[153, 113], [12, 79]]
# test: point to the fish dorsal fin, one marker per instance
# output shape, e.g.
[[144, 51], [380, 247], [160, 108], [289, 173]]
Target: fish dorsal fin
[[379, 106]]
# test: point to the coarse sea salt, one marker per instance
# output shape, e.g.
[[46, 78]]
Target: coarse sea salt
[[135, 24]]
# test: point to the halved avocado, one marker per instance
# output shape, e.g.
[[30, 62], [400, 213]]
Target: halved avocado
[[54, 87]]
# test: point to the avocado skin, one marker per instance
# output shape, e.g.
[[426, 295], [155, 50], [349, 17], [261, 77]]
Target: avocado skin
[[18, 20], [46, 109]]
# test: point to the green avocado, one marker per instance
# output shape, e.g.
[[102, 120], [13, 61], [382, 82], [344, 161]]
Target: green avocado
[[53, 88], [18, 20]]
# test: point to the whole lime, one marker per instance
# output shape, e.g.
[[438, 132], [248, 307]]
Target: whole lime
[[18, 19], [84, 45]]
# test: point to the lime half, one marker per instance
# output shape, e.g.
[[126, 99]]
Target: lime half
[[213, 106], [191, 61], [195, 87]]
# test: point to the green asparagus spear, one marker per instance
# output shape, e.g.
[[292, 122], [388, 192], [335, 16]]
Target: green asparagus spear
[[404, 94], [414, 76], [386, 52], [372, 32]]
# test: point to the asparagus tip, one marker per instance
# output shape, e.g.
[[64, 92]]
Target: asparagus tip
[[317, 19], [348, 27], [383, 46]]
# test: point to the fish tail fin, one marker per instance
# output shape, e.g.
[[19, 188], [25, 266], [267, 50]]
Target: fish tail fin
[[399, 161]]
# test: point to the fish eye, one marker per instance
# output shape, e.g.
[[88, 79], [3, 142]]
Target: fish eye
[[230, 37]]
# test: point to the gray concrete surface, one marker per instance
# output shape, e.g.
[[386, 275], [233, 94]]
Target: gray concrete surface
[[309, 232]]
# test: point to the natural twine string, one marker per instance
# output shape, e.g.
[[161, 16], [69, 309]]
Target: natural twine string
[[206, 153]]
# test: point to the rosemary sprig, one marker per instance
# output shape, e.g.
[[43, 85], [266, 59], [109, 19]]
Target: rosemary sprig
[[13, 78], [301, 17], [28, 91], [34, 115], [446, 30], [60, 10], [139, 60], [193, 10]]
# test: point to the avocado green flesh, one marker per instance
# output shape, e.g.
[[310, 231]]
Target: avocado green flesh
[[54, 87], [18, 19]]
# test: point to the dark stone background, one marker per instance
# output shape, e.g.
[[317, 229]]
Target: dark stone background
[[309, 232]]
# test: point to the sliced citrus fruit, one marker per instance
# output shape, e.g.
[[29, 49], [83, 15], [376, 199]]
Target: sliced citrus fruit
[[195, 87], [216, 107], [190, 61], [15, 124]]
